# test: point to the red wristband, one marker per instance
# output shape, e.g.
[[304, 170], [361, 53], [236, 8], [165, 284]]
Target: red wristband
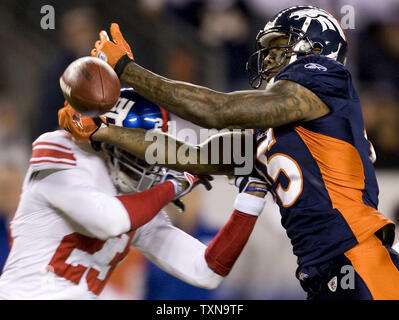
[[143, 206]]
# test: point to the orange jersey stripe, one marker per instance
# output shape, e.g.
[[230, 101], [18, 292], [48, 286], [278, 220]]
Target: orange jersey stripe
[[371, 260], [342, 171]]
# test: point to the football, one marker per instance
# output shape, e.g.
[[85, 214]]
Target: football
[[90, 86]]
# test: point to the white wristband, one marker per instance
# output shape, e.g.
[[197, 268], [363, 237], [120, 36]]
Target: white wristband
[[249, 204]]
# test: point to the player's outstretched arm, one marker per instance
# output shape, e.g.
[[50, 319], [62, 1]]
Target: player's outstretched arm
[[285, 102], [101, 215], [177, 155], [160, 147], [190, 260]]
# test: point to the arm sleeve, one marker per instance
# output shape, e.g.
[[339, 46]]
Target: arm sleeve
[[100, 214], [176, 252], [188, 259]]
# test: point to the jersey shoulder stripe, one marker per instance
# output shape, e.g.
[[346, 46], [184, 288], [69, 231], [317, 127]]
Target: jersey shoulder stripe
[[53, 151], [54, 145]]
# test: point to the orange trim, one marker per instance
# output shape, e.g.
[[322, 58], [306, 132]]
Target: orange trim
[[266, 148], [289, 179], [371, 260], [372, 155], [342, 171], [273, 140], [339, 22]]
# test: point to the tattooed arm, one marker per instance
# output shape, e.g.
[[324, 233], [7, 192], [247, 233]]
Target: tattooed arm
[[285, 102], [208, 158]]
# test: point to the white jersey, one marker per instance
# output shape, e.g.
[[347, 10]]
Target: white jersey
[[70, 231]]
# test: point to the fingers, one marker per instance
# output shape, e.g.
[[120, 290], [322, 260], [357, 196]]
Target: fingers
[[205, 176], [103, 119], [93, 52], [63, 117], [116, 33], [120, 40], [103, 36], [117, 39], [206, 183]]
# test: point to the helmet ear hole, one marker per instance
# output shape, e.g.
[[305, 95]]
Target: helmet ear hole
[[317, 47]]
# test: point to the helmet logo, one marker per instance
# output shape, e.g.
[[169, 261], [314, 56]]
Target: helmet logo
[[315, 66], [119, 111], [326, 20]]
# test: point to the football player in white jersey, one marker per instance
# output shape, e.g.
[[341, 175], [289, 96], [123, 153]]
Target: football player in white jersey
[[75, 221]]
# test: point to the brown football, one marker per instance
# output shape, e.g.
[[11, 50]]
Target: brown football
[[90, 86]]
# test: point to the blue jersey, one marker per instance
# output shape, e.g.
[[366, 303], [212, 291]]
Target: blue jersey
[[321, 171]]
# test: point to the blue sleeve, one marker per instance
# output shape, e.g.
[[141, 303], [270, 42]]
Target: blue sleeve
[[325, 77]]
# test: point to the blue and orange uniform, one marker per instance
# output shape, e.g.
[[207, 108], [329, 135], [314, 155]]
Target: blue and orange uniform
[[322, 176]]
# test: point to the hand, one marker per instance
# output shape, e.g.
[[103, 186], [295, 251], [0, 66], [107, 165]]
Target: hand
[[251, 185], [111, 51], [80, 126], [185, 182]]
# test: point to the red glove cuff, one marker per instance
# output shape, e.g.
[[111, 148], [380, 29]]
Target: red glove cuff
[[226, 247], [144, 206]]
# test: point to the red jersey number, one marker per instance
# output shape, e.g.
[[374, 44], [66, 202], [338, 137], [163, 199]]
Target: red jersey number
[[109, 252]]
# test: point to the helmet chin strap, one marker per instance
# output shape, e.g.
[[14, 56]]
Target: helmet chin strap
[[294, 56], [269, 83]]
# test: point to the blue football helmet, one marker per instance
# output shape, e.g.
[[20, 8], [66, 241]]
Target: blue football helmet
[[307, 28], [129, 173]]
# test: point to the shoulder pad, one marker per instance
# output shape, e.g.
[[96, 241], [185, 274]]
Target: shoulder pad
[[315, 63], [53, 150], [323, 76]]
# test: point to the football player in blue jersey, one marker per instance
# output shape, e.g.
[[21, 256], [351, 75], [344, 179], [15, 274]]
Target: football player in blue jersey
[[310, 146]]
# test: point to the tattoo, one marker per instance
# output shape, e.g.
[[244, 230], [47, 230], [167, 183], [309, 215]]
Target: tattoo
[[285, 102], [133, 141], [188, 101]]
